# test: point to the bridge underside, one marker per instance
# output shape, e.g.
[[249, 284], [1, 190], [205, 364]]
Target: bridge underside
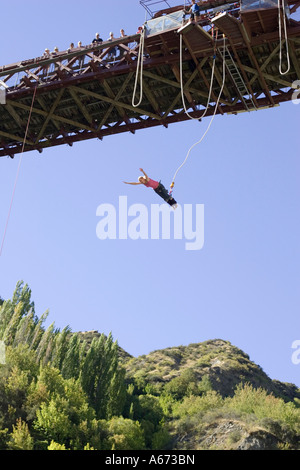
[[84, 94]]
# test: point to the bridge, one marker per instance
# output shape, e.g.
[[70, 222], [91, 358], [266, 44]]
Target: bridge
[[87, 92]]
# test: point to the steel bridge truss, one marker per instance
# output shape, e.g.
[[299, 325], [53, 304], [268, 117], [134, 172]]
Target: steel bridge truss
[[86, 93]]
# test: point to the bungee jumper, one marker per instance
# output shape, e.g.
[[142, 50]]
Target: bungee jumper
[[157, 187]]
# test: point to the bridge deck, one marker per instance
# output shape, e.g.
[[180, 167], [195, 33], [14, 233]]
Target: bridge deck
[[82, 94]]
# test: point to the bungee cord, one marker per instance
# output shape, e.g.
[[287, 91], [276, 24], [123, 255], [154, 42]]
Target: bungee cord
[[139, 70], [281, 11], [182, 86], [210, 123]]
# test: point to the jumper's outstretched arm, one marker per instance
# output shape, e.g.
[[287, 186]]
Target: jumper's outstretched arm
[[131, 183], [146, 176]]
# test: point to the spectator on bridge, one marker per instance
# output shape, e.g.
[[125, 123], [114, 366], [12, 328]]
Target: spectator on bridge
[[113, 52], [81, 58], [97, 39], [120, 49], [194, 10], [46, 55]]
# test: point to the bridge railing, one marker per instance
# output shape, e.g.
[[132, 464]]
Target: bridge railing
[[57, 65]]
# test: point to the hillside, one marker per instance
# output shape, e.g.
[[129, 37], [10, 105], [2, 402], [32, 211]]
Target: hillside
[[218, 398], [61, 390], [223, 364]]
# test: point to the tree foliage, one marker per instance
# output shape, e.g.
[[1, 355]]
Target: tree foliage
[[59, 392]]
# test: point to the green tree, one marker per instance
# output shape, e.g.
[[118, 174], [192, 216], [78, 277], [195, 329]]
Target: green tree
[[161, 439], [60, 348], [60, 416], [116, 393], [20, 438], [55, 446], [125, 434], [3, 438], [25, 329], [99, 375], [16, 377], [70, 362], [11, 311], [11, 328], [38, 331], [184, 384], [53, 422], [45, 346]]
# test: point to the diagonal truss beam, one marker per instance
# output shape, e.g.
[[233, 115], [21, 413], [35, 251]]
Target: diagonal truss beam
[[117, 103], [50, 115], [45, 114], [116, 99]]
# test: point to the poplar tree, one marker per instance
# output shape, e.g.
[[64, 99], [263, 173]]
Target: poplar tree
[[42, 348], [60, 348], [70, 366], [100, 377]]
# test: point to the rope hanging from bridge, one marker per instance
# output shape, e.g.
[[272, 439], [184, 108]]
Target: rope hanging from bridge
[[139, 70], [18, 172], [182, 86], [210, 123], [281, 11]]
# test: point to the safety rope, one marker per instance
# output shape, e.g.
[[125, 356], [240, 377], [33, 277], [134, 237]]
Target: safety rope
[[18, 172], [281, 6], [182, 87], [139, 70], [210, 123]]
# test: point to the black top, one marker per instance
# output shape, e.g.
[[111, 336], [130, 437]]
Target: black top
[[97, 41]]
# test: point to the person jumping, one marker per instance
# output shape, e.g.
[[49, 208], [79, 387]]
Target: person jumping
[[157, 187]]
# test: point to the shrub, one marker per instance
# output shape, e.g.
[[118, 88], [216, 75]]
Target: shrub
[[125, 434], [198, 404], [263, 405]]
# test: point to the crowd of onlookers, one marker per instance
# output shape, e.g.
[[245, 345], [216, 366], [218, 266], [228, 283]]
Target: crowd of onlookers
[[112, 54], [96, 41], [116, 52]]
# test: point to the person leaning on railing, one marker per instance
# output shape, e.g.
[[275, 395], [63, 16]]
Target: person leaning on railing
[[46, 55], [120, 49], [97, 40]]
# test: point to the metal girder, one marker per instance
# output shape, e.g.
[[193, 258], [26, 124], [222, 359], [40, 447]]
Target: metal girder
[[81, 94]]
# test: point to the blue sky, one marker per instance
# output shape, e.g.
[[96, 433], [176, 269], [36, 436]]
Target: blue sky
[[243, 286]]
